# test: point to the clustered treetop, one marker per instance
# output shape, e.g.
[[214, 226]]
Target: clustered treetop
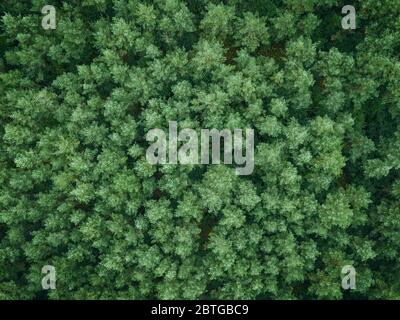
[[76, 191]]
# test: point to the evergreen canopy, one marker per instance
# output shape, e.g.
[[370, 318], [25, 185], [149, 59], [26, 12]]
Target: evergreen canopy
[[76, 191]]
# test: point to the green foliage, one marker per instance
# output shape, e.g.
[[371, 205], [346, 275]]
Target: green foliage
[[77, 192]]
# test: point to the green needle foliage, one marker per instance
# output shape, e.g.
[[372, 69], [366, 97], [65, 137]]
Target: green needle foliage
[[77, 192]]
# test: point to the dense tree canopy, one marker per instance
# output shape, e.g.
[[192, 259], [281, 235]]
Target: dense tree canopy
[[76, 191]]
